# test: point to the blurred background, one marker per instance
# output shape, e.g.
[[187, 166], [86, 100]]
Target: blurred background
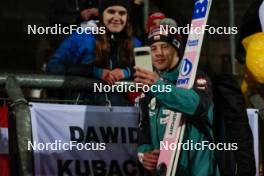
[[21, 52], [221, 54]]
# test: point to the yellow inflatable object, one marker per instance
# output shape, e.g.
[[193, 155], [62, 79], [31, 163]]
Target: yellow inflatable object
[[254, 45]]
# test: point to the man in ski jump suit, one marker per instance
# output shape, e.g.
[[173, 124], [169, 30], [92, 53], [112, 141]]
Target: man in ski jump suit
[[195, 104]]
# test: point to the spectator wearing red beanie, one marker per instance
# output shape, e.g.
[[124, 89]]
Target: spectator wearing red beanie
[[153, 20]]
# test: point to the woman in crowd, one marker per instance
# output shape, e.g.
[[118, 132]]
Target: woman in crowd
[[108, 56]]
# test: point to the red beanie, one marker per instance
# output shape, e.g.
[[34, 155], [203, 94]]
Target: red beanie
[[154, 16]]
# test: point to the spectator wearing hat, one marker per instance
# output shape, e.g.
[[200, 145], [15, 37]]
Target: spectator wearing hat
[[154, 20], [195, 104], [108, 57], [89, 10]]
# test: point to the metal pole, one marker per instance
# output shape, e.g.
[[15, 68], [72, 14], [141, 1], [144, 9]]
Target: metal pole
[[57, 82], [21, 114], [146, 11], [232, 36]]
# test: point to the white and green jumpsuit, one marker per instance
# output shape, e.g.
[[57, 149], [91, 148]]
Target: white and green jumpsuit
[[195, 104]]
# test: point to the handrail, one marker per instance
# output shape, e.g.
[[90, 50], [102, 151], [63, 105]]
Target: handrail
[[49, 81], [20, 108], [52, 81]]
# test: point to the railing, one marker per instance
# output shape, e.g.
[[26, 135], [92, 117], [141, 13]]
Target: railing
[[21, 113]]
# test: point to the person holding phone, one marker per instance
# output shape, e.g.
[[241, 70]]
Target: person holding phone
[[195, 104]]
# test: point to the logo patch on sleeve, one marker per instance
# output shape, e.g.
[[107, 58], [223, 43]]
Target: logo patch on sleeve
[[152, 104], [201, 83]]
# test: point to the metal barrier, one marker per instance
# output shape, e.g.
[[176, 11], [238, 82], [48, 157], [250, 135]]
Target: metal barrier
[[21, 112], [49, 81]]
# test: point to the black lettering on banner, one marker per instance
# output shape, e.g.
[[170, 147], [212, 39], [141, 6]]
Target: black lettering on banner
[[91, 135], [78, 168], [106, 134], [109, 135], [133, 135], [126, 168], [123, 135], [114, 169], [74, 130], [63, 167], [98, 168]]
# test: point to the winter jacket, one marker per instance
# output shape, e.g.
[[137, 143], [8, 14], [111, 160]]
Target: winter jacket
[[75, 57], [77, 50], [195, 104]]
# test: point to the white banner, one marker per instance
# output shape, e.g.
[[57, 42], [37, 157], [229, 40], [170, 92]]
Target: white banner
[[84, 140], [253, 123]]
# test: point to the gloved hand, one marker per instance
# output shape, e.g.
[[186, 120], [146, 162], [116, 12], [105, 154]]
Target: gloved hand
[[150, 159]]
